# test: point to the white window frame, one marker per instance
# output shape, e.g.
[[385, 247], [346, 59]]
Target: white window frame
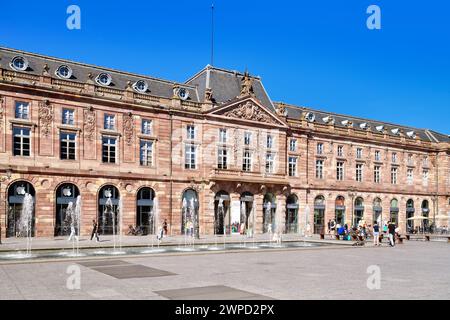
[[340, 170], [292, 166]]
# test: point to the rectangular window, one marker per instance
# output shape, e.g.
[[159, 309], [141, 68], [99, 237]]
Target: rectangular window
[[377, 174], [320, 148], [67, 143], [269, 142], [425, 161], [147, 127], [146, 153], [190, 156], [223, 135], [359, 153], [410, 176], [22, 110], [319, 169], [394, 157], [377, 155], [340, 151], [359, 172], [190, 132], [109, 147], [270, 162], [340, 171], [21, 142], [110, 122], [222, 158], [247, 138], [292, 166], [394, 175], [425, 175], [293, 145], [410, 160], [247, 161], [68, 117]]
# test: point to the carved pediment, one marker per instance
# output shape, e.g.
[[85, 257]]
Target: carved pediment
[[249, 110]]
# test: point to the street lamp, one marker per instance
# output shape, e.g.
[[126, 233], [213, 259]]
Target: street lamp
[[7, 177]]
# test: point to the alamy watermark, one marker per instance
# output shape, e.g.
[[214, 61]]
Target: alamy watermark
[[73, 281], [374, 280], [73, 21], [374, 20]]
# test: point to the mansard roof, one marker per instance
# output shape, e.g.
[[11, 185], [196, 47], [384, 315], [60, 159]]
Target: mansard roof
[[226, 85], [81, 71], [357, 123], [226, 88]]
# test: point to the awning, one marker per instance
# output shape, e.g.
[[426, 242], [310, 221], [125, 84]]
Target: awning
[[410, 210], [224, 197], [292, 206], [359, 208], [394, 209], [425, 210], [65, 200], [247, 198], [377, 209], [145, 203], [340, 208], [102, 201], [319, 207]]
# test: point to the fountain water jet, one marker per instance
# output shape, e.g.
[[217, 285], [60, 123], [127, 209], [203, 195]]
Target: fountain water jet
[[26, 221]]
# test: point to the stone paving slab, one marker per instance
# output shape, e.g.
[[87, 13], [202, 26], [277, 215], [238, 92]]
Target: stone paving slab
[[414, 270], [102, 263], [132, 271], [210, 293]]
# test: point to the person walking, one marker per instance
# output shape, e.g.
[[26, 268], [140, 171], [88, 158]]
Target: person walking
[[95, 231], [376, 234], [329, 226], [165, 227], [391, 228]]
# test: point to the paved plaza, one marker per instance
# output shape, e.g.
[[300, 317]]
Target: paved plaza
[[414, 270]]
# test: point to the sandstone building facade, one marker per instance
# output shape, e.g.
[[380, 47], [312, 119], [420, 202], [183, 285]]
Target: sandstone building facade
[[214, 154]]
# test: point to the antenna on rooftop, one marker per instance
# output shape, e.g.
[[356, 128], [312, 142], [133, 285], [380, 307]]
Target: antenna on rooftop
[[212, 34]]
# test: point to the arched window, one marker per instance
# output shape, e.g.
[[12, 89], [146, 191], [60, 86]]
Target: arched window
[[269, 210], [319, 215], [20, 222], [291, 214], [190, 207], [222, 217], [377, 211], [108, 207], [340, 210], [246, 202], [359, 211], [147, 215], [65, 194], [394, 211], [409, 215]]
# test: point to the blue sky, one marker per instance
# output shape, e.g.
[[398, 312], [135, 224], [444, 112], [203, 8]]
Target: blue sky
[[312, 53]]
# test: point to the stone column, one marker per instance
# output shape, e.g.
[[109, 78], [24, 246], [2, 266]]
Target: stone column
[[258, 207]]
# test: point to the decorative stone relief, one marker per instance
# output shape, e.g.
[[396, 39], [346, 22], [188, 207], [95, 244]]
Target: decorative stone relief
[[128, 128], [249, 111], [89, 123], [45, 117]]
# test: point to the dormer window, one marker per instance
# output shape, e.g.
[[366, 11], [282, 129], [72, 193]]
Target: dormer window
[[411, 134], [395, 131], [141, 86], [364, 126], [104, 79], [64, 72], [183, 94], [380, 128], [19, 63]]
